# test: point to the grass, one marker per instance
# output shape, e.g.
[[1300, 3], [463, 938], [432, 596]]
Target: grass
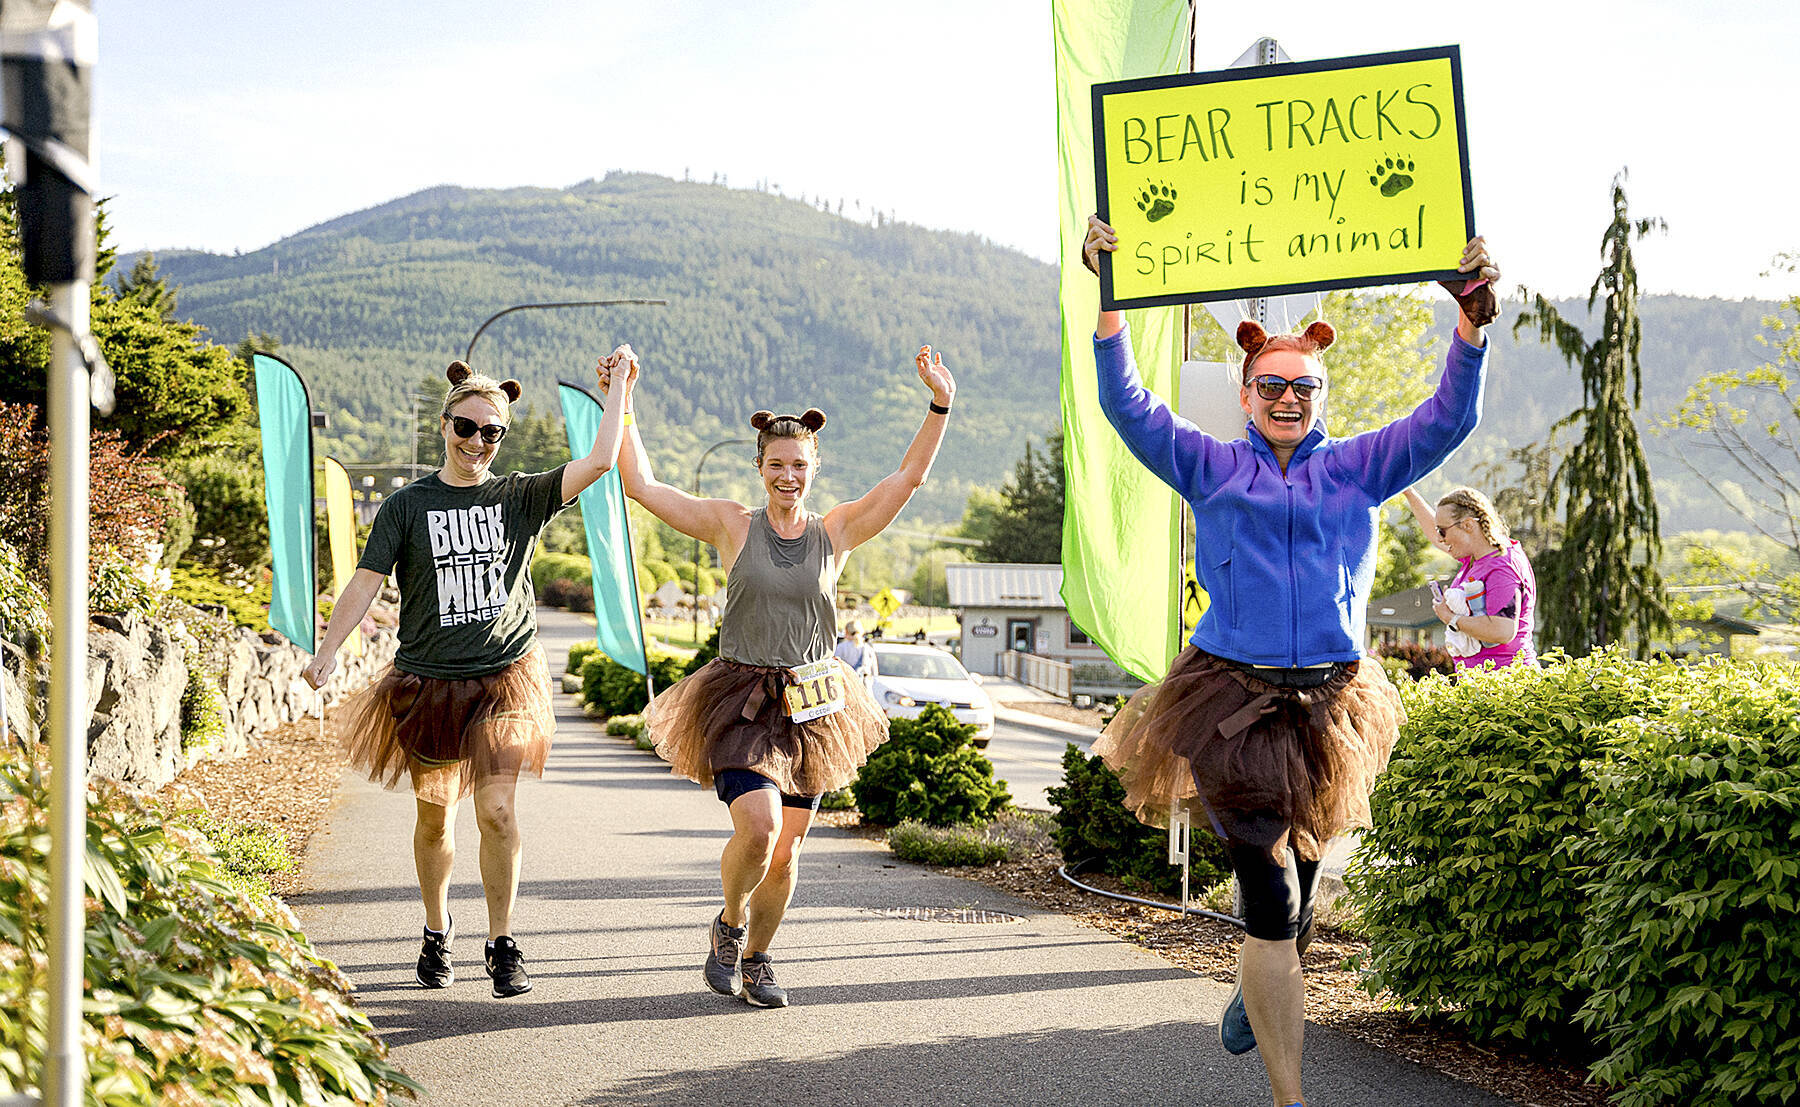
[[1013, 834]]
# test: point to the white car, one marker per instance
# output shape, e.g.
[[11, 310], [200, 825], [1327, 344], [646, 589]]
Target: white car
[[909, 677]]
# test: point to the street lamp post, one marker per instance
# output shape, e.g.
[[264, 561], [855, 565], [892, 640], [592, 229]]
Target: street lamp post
[[469, 353], [707, 453]]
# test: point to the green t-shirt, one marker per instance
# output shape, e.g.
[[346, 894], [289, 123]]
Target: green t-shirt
[[463, 555]]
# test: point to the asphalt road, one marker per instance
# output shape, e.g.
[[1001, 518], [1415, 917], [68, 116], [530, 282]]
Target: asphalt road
[[1027, 752]]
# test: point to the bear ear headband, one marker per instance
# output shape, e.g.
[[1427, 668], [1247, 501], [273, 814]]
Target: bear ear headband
[[1252, 339], [459, 372], [812, 419]]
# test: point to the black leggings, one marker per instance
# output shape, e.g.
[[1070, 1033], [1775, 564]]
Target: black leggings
[[1278, 902]]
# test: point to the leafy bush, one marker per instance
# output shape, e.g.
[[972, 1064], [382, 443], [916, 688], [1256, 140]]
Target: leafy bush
[[554, 566], [24, 607], [248, 853], [247, 605], [580, 597], [1493, 778], [841, 800], [231, 518], [1093, 822], [707, 651], [930, 771], [612, 689], [579, 651], [117, 587], [625, 726], [658, 568], [202, 706], [196, 994], [1692, 950], [646, 580], [1420, 660], [947, 845]]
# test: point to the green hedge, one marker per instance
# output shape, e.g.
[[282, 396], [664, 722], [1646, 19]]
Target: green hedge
[[547, 567], [1471, 884], [579, 651], [658, 568], [1691, 954], [612, 689], [929, 770], [1092, 822], [947, 845], [196, 993]]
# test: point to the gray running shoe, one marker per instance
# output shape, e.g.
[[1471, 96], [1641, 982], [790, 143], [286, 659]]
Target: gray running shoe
[[506, 965], [434, 958], [759, 982], [724, 953], [1234, 1025]]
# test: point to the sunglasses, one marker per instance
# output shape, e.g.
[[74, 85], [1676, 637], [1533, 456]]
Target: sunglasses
[[1271, 387], [467, 428], [1444, 532]]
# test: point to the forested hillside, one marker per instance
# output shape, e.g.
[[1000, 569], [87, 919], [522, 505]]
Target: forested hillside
[[773, 302]]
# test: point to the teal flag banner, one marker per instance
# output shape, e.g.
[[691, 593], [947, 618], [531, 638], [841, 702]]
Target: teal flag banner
[[619, 627], [285, 411]]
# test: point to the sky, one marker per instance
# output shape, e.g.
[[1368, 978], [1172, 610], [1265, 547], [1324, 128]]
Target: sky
[[226, 126]]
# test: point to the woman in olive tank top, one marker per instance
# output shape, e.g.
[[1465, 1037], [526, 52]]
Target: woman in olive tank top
[[775, 720]]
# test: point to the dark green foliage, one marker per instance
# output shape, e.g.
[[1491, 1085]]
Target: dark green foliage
[[930, 771], [707, 651], [612, 689], [1692, 952], [947, 845], [580, 598], [196, 993], [1491, 790], [231, 517], [202, 707], [1093, 823], [548, 567], [1604, 573], [1028, 526]]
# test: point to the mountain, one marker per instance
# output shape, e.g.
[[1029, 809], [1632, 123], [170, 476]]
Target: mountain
[[778, 303]]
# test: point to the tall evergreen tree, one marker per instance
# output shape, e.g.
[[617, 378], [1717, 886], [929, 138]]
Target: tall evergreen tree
[[1602, 579], [1028, 527]]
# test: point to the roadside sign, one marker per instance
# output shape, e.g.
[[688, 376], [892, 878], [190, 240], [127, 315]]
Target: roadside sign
[[885, 604]]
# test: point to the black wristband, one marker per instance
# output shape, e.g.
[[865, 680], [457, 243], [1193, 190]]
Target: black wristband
[[939, 409]]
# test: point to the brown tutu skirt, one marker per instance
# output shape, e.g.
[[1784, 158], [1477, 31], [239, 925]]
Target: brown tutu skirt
[[726, 715], [1271, 766], [451, 736]]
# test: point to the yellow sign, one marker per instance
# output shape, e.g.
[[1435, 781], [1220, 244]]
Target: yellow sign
[[885, 604], [1270, 179]]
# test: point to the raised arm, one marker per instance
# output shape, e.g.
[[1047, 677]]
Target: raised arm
[[708, 520], [1421, 510], [617, 386], [1476, 304], [1101, 237], [352, 604], [851, 524]]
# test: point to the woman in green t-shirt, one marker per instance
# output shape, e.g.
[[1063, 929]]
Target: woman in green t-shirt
[[465, 708]]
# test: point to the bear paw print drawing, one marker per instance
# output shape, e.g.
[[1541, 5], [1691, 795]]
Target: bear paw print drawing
[[1156, 201], [1392, 175]]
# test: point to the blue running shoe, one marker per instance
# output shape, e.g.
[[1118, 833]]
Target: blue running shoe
[[1234, 1025]]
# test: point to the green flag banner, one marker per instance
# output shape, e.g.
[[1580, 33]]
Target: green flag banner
[[1120, 524], [618, 626], [285, 411]]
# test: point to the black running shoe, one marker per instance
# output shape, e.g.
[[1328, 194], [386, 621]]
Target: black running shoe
[[434, 959], [506, 965], [759, 982], [725, 948]]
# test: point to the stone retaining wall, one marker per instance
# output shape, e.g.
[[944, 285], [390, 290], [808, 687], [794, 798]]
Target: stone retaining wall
[[137, 673]]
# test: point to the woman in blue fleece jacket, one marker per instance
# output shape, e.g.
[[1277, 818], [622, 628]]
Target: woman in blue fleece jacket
[[1268, 721]]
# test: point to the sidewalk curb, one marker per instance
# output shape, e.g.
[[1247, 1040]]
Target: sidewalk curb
[[1028, 720]]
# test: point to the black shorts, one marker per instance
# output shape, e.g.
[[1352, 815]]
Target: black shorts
[[732, 783]]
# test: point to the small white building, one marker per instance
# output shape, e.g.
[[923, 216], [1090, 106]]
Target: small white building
[[1019, 607]]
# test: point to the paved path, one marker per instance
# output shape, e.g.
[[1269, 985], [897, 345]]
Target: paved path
[[621, 876]]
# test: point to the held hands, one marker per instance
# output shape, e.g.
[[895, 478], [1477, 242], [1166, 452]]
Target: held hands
[[319, 670], [936, 377], [620, 366], [1476, 296], [1099, 237]]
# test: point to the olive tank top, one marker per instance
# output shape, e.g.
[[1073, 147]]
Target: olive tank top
[[778, 597]]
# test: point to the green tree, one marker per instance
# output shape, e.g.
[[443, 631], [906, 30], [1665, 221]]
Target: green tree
[[1520, 485], [145, 286], [1604, 574], [1027, 529]]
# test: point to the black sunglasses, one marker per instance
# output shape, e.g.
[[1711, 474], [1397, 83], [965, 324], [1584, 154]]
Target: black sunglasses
[[1271, 387], [492, 433]]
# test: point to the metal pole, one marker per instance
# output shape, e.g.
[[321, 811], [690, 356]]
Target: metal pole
[[65, 1065], [469, 353], [695, 609]]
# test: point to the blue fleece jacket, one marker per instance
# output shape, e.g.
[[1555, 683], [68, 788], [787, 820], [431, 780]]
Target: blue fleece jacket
[[1287, 559]]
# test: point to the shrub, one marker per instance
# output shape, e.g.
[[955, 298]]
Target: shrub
[[1093, 822], [231, 519], [202, 706], [24, 607], [117, 587], [707, 651], [646, 580], [1420, 660], [195, 993], [579, 651], [248, 853], [612, 689], [841, 800], [1692, 952], [555, 592], [658, 568], [947, 845], [247, 606], [580, 596], [547, 567], [625, 726], [928, 770], [1492, 778]]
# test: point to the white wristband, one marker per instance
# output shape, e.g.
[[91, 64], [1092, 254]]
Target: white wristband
[[1454, 620]]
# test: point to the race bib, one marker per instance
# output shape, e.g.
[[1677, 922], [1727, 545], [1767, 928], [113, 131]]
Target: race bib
[[815, 690]]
